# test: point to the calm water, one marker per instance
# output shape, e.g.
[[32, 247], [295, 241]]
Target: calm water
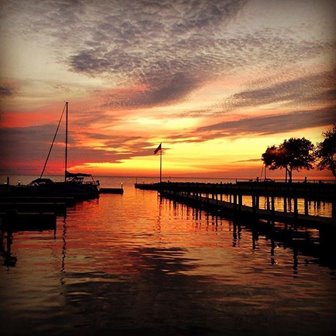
[[136, 264]]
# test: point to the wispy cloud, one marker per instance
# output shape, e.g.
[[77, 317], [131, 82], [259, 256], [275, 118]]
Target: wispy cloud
[[170, 48], [31, 144], [7, 89], [161, 45], [307, 89], [271, 124], [176, 50]]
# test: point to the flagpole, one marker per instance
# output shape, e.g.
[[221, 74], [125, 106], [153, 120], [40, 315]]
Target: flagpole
[[161, 164], [66, 140], [159, 148]]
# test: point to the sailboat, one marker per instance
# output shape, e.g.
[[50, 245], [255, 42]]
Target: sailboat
[[76, 185]]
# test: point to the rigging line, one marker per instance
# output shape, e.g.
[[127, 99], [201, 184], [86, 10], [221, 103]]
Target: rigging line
[[52, 144]]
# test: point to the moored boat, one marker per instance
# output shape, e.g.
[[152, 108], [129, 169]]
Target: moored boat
[[76, 185]]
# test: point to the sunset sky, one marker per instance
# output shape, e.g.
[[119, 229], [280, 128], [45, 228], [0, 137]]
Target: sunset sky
[[215, 81]]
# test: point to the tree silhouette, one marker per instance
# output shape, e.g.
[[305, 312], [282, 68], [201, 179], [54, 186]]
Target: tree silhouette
[[326, 151], [292, 154]]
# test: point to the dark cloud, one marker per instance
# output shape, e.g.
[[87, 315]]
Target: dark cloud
[[86, 117], [261, 125], [311, 88], [163, 45], [169, 47], [270, 124], [29, 145], [6, 90], [248, 160], [25, 144], [157, 58], [157, 92], [156, 44]]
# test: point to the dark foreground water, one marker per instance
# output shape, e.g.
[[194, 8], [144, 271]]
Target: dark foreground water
[[135, 264]]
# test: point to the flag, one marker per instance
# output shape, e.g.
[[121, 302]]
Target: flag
[[157, 149]]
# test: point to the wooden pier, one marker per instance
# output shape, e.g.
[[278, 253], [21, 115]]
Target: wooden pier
[[58, 208], [31, 213], [27, 221], [209, 196], [36, 199]]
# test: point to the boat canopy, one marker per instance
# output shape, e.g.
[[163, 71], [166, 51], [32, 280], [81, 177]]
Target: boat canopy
[[41, 181], [79, 178]]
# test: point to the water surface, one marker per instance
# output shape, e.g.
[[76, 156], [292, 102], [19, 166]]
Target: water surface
[[134, 263]]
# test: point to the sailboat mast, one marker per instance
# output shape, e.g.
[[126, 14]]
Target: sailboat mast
[[66, 140]]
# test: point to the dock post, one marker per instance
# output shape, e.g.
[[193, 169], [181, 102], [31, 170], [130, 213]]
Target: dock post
[[255, 203], [235, 201], [295, 207], [306, 206], [272, 205], [333, 209], [285, 204]]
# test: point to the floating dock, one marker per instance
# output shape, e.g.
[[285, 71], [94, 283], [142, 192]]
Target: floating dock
[[37, 199], [27, 221], [20, 213], [57, 207], [111, 190]]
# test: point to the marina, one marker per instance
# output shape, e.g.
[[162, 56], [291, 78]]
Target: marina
[[167, 168]]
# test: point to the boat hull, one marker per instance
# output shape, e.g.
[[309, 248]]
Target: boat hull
[[58, 189]]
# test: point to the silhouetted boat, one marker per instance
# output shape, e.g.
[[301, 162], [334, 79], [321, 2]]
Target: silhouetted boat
[[76, 185]]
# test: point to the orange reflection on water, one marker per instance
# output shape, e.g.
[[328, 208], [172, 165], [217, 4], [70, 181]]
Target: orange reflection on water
[[140, 260]]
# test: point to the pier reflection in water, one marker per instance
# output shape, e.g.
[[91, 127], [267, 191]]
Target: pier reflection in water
[[136, 263]]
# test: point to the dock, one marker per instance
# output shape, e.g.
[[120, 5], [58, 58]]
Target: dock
[[210, 197], [111, 191], [37, 199], [27, 221], [58, 208], [20, 213]]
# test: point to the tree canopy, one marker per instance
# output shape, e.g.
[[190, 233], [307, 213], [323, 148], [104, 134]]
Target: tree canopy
[[292, 154], [326, 151]]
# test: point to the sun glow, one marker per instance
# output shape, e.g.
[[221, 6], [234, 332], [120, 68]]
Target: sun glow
[[216, 97]]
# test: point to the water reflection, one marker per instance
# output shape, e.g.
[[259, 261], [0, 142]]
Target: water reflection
[[5, 248], [144, 264], [160, 299], [310, 242]]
